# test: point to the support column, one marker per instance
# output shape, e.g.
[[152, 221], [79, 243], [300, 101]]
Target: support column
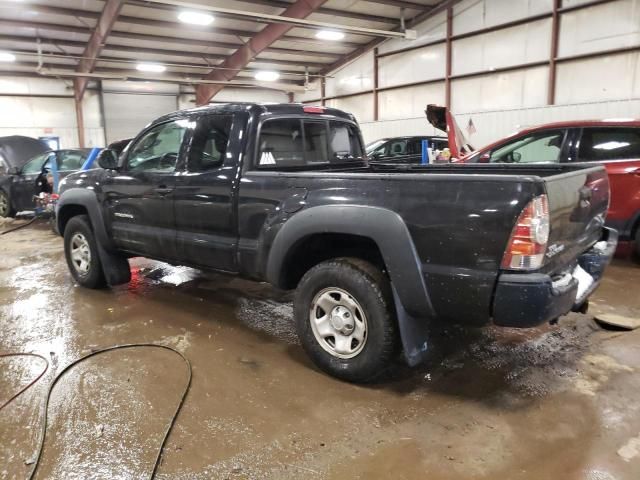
[[323, 94], [375, 84], [78, 90], [553, 54]]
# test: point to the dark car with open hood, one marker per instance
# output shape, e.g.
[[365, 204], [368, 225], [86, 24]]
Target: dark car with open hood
[[23, 182]]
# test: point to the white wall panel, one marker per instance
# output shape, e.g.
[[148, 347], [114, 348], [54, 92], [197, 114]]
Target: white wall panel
[[311, 94], [250, 95], [125, 114], [432, 29], [520, 88], [372, 131], [602, 27], [42, 116], [496, 124], [188, 100], [355, 77], [409, 102], [359, 105], [502, 48], [425, 63], [603, 78], [471, 15], [35, 86]]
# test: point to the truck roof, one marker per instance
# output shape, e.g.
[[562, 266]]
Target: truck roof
[[258, 108]]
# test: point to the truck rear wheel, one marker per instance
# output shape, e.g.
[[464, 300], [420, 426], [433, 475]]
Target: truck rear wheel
[[345, 319], [81, 252]]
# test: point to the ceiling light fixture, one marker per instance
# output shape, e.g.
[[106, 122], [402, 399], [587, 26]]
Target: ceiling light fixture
[[332, 35], [196, 18], [7, 57], [151, 67], [267, 76]]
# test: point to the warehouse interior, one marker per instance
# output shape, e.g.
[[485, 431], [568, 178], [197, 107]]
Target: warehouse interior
[[188, 371]]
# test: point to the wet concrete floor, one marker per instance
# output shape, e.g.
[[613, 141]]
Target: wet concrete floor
[[554, 402]]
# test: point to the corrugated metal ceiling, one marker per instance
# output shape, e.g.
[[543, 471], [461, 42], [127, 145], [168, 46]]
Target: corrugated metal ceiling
[[151, 32]]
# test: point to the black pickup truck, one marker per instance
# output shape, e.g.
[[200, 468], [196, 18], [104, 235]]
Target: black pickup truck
[[284, 194]]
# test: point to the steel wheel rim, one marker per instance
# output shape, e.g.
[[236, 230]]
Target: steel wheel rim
[[4, 204], [338, 323], [80, 253]]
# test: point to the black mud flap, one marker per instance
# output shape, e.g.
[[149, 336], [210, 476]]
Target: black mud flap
[[115, 267], [413, 333]]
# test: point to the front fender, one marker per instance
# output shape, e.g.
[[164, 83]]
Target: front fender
[[385, 227], [80, 197], [114, 265]]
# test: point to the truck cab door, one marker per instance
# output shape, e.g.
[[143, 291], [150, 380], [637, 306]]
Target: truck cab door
[[139, 202], [205, 195], [24, 185]]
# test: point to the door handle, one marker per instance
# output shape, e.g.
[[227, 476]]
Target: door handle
[[162, 190]]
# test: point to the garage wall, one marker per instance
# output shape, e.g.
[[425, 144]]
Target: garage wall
[[39, 107], [187, 97], [500, 61]]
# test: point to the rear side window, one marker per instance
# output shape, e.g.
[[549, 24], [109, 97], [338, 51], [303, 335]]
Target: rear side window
[[315, 142], [612, 143], [209, 144], [539, 147], [344, 142], [291, 142]]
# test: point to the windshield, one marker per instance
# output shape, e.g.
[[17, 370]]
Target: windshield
[[35, 164], [374, 146]]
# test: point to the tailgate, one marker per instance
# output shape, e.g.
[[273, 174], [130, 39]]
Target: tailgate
[[578, 203]]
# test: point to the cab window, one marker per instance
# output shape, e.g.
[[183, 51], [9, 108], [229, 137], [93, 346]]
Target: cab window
[[539, 147], [609, 143], [291, 142], [158, 149], [209, 144]]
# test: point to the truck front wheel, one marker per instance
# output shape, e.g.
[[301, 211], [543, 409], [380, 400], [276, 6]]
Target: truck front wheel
[[81, 252], [345, 319]]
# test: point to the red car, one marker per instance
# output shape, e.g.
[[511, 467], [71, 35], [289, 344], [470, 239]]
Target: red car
[[612, 143]]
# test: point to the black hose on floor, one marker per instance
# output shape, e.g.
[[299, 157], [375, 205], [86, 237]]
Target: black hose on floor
[[19, 226], [26, 387], [45, 407]]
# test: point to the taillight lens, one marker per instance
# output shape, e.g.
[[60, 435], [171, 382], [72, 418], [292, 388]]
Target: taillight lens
[[528, 242]]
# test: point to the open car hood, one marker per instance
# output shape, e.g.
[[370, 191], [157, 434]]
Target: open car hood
[[16, 150], [441, 118]]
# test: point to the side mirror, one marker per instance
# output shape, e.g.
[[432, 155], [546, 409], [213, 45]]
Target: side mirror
[[108, 159], [13, 171], [516, 156], [485, 157]]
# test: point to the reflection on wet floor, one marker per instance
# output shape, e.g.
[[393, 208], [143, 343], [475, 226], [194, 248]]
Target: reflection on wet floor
[[554, 402]]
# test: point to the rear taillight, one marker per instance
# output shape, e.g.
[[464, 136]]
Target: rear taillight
[[528, 242]]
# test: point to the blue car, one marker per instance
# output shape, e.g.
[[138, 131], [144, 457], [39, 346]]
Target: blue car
[[20, 185]]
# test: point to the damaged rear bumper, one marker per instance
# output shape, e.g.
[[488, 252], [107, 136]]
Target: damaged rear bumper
[[530, 299]]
